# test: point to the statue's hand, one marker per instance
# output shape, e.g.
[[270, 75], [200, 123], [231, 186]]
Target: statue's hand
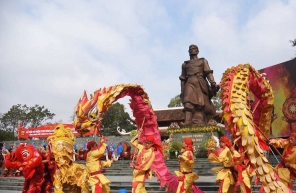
[[215, 88]]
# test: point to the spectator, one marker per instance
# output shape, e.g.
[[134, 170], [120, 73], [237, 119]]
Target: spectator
[[119, 150], [112, 150], [85, 144]]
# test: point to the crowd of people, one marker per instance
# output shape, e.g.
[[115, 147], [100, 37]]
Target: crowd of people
[[115, 152], [231, 177]]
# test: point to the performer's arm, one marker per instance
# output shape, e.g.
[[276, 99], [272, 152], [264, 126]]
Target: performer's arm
[[97, 153], [223, 156], [134, 141], [187, 157], [146, 163], [279, 143], [107, 164]]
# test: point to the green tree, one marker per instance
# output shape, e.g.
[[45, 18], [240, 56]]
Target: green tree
[[38, 115], [28, 116], [175, 102], [116, 117], [7, 136]]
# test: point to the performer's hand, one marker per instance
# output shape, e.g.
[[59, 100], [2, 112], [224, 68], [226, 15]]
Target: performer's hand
[[232, 149], [132, 165], [287, 164], [271, 142], [103, 139], [20, 169], [180, 157]]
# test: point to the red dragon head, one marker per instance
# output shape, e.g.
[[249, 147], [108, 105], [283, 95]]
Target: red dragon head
[[24, 152]]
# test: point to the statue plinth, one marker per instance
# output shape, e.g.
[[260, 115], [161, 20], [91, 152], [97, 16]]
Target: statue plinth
[[199, 135]]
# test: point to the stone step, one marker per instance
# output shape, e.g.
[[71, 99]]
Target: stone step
[[15, 184]]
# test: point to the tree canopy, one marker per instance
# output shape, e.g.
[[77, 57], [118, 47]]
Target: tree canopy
[[175, 102], [116, 117], [29, 116]]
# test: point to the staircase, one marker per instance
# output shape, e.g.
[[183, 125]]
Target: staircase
[[120, 174]]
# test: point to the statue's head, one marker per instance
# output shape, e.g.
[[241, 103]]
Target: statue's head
[[193, 49]]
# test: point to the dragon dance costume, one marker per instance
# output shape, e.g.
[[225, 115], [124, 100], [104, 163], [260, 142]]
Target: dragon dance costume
[[98, 182], [286, 173], [245, 172], [28, 159], [142, 166], [226, 175], [186, 163]]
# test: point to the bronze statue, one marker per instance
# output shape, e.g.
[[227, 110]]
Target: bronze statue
[[196, 93]]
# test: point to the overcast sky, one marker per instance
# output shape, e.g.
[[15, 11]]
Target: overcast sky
[[51, 50]]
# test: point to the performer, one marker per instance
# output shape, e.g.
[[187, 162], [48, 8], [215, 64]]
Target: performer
[[226, 176], [143, 163], [7, 171], [286, 169], [27, 159], [186, 163], [98, 182], [119, 150], [49, 168], [244, 169]]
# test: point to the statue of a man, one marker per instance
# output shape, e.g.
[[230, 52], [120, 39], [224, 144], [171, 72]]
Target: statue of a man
[[196, 93]]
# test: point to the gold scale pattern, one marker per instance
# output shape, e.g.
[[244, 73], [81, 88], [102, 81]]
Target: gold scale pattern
[[236, 84], [68, 173]]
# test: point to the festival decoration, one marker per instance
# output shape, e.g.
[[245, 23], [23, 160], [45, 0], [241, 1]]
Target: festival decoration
[[250, 125], [43, 131], [89, 113], [195, 129], [68, 173], [166, 146]]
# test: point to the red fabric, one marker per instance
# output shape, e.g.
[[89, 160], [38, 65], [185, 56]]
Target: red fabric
[[189, 143], [98, 186], [134, 185], [182, 189], [90, 144], [226, 141], [293, 135], [150, 138], [158, 148]]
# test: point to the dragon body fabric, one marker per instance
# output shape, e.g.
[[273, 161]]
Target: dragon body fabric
[[68, 174], [250, 124], [89, 115]]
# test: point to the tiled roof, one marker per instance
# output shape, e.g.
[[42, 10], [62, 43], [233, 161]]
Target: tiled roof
[[172, 114], [169, 114]]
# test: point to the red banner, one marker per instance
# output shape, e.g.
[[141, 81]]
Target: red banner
[[43, 131]]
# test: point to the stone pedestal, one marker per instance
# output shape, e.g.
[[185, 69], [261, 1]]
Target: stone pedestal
[[197, 138]]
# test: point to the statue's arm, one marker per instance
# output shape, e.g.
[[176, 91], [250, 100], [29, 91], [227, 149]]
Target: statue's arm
[[208, 72], [183, 77]]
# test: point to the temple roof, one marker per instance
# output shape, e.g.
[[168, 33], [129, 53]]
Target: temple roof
[[172, 114], [169, 114]]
